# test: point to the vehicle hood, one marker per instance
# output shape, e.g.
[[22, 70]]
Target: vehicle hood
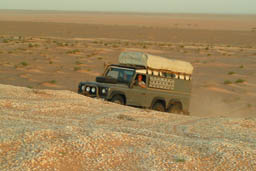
[[97, 84]]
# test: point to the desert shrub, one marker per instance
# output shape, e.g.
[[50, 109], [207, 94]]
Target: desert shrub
[[115, 46], [125, 117], [78, 63], [207, 48], [241, 66], [52, 81], [24, 63], [77, 68], [73, 51], [100, 58], [182, 46], [227, 82], [50, 62], [30, 45], [59, 44], [179, 159], [231, 73], [239, 81], [23, 49], [5, 41], [91, 55]]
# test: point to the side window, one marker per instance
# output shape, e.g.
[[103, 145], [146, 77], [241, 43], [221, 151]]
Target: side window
[[113, 74], [169, 75], [143, 77], [143, 80]]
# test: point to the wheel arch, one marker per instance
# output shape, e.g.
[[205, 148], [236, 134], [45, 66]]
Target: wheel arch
[[158, 99], [175, 101], [118, 93]]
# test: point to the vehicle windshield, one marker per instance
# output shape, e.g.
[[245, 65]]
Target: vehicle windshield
[[120, 74]]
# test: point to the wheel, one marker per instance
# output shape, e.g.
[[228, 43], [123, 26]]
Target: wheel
[[118, 99], [158, 107], [175, 108]]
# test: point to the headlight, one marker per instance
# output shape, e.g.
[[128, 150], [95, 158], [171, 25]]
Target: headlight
[[103, 91], [83, 88], [93, 90], [88, 89]]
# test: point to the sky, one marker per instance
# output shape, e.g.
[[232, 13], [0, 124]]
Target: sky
[[158, 6]]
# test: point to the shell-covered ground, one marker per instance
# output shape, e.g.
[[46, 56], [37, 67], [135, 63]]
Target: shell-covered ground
[[61, 130]]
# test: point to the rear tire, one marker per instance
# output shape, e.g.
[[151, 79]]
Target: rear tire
[[118, 99], [175, 108], [158, 107]]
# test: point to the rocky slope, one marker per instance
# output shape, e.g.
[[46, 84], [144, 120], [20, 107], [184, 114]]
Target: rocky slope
[[61, 130]]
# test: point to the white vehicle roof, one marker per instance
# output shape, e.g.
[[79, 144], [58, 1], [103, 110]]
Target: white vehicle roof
[[155, 62]]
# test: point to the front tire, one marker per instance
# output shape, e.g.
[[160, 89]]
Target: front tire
[[118, 99]]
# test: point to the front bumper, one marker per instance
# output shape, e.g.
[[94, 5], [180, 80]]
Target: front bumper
[[84, 90]]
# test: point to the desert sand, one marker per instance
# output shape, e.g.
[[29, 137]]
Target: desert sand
[[56, 50], [61, 130]]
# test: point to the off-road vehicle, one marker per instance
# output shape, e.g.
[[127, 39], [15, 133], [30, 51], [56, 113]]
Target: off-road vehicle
[[167, 83]]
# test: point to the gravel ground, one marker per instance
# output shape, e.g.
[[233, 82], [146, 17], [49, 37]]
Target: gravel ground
[[61, 130]]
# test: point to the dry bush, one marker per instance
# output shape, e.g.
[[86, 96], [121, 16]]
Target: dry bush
[[125, 117], [76, 68], [239, 80], [227, 82]]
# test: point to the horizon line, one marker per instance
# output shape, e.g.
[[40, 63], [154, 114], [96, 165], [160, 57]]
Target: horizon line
[[127, 12]]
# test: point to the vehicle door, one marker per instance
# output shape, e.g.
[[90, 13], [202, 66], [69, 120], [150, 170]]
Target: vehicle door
[[136, 95]]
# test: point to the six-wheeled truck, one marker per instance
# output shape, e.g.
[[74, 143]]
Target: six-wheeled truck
[[166, 83]]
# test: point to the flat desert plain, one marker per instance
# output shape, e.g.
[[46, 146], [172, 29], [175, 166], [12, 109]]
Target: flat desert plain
[[59, 129], [57, 50]]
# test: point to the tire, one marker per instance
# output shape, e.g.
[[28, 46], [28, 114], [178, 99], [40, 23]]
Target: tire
[[158, 107], [118, 99], [175, 108]]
